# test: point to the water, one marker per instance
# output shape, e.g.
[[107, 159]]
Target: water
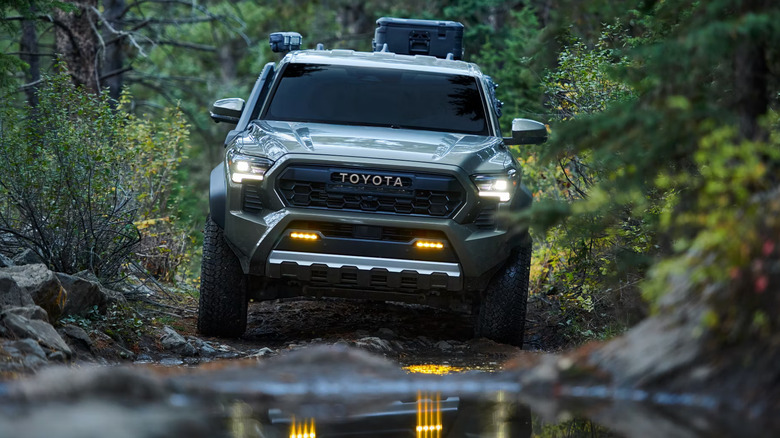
[[429, 416]]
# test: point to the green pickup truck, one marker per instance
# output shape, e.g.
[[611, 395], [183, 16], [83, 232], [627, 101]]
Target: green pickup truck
[[368, 175]]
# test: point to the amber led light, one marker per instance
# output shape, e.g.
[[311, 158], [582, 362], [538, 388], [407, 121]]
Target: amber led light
[[303, 429], [304, 236], [429, 245]]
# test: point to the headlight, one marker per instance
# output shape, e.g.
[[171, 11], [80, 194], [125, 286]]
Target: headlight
[[500, 186], [242, 167]]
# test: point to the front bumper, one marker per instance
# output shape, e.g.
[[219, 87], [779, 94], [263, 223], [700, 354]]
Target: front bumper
[[471, 253]]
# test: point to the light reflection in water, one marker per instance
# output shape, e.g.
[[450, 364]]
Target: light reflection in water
[[303, 429], [433, 369], [428, 415]]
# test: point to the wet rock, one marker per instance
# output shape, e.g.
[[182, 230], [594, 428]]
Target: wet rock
[[374, 344], [143, 358], [29, 312], [11, 294], [86, 293], [22, 328], [386, 333], [5, 261], [27, 257], [362, 333], [27, 352], [263, 352], [41, 284], [204, 349], [172, 341], [443, 345]]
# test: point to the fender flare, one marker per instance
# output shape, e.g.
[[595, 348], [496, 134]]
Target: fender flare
[[218, 195]]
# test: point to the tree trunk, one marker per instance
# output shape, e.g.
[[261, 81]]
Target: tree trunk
[[77, 44], [114, 55], [29, 49]]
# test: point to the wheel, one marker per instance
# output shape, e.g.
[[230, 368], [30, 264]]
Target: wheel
[[223, 303], [502, 310]]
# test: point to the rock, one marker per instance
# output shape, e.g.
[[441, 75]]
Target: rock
[[386, 333], [24, 347], [20, 327], [172, 341], [374, 344], [263, 352], [11, 294], [29, 312], [41, 331], [57, 356], [77, 336], [443, 345], [5, 261], [204, 348], [424, 340], [41, 284], [27, 257], [86, 293]]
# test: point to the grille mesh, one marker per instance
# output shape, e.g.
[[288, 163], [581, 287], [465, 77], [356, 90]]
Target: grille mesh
[[430, 195]]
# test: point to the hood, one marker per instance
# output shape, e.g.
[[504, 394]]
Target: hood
[[469, 152]]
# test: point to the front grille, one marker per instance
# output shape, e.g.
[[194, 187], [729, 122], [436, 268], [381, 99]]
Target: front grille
[[413, 194], [352, 231]]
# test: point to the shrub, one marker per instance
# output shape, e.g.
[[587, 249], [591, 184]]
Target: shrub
[[78, 178], [64, 181]]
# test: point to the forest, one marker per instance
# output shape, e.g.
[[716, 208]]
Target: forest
[[656, 209]]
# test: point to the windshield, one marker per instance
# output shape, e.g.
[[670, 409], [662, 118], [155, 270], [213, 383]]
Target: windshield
[[349, 95]]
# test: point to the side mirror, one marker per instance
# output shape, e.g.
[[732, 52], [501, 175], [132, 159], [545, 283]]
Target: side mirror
[[227, 110], [525, 131]]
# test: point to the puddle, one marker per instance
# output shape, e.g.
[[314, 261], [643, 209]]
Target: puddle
[[326, 392]]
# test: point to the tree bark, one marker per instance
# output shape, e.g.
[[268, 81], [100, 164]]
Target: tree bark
[[114, 52], [77, 44], [29, 49]]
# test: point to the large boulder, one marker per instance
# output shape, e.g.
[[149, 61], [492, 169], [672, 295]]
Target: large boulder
[[41, 284], [27, 257], [29, 312], [11, 295], [85, 292], [17, 326]]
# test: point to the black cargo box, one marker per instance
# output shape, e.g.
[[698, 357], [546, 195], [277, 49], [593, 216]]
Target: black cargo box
[[419, 37]]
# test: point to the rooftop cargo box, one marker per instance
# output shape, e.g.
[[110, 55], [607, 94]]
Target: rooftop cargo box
[[419, 37]]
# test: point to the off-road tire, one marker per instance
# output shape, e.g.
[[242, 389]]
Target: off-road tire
[[502, 311], [223, 303]]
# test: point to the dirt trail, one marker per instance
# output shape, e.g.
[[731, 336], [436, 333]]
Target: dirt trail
[[407, 334]]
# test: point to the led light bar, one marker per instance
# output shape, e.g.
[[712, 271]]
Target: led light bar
[[429, 244], [304, 236]]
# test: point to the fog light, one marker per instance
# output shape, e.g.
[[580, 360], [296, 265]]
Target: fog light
[[304, 236], [429, 244]]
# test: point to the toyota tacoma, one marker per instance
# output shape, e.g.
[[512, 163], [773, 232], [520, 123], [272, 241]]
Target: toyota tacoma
[[369, 175]]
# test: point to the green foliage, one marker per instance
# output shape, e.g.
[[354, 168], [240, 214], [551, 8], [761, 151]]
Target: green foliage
[[79, 179], [689, 155], [506, 57], [580, 270], [64, 181], [120, 322], [581, 83]]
